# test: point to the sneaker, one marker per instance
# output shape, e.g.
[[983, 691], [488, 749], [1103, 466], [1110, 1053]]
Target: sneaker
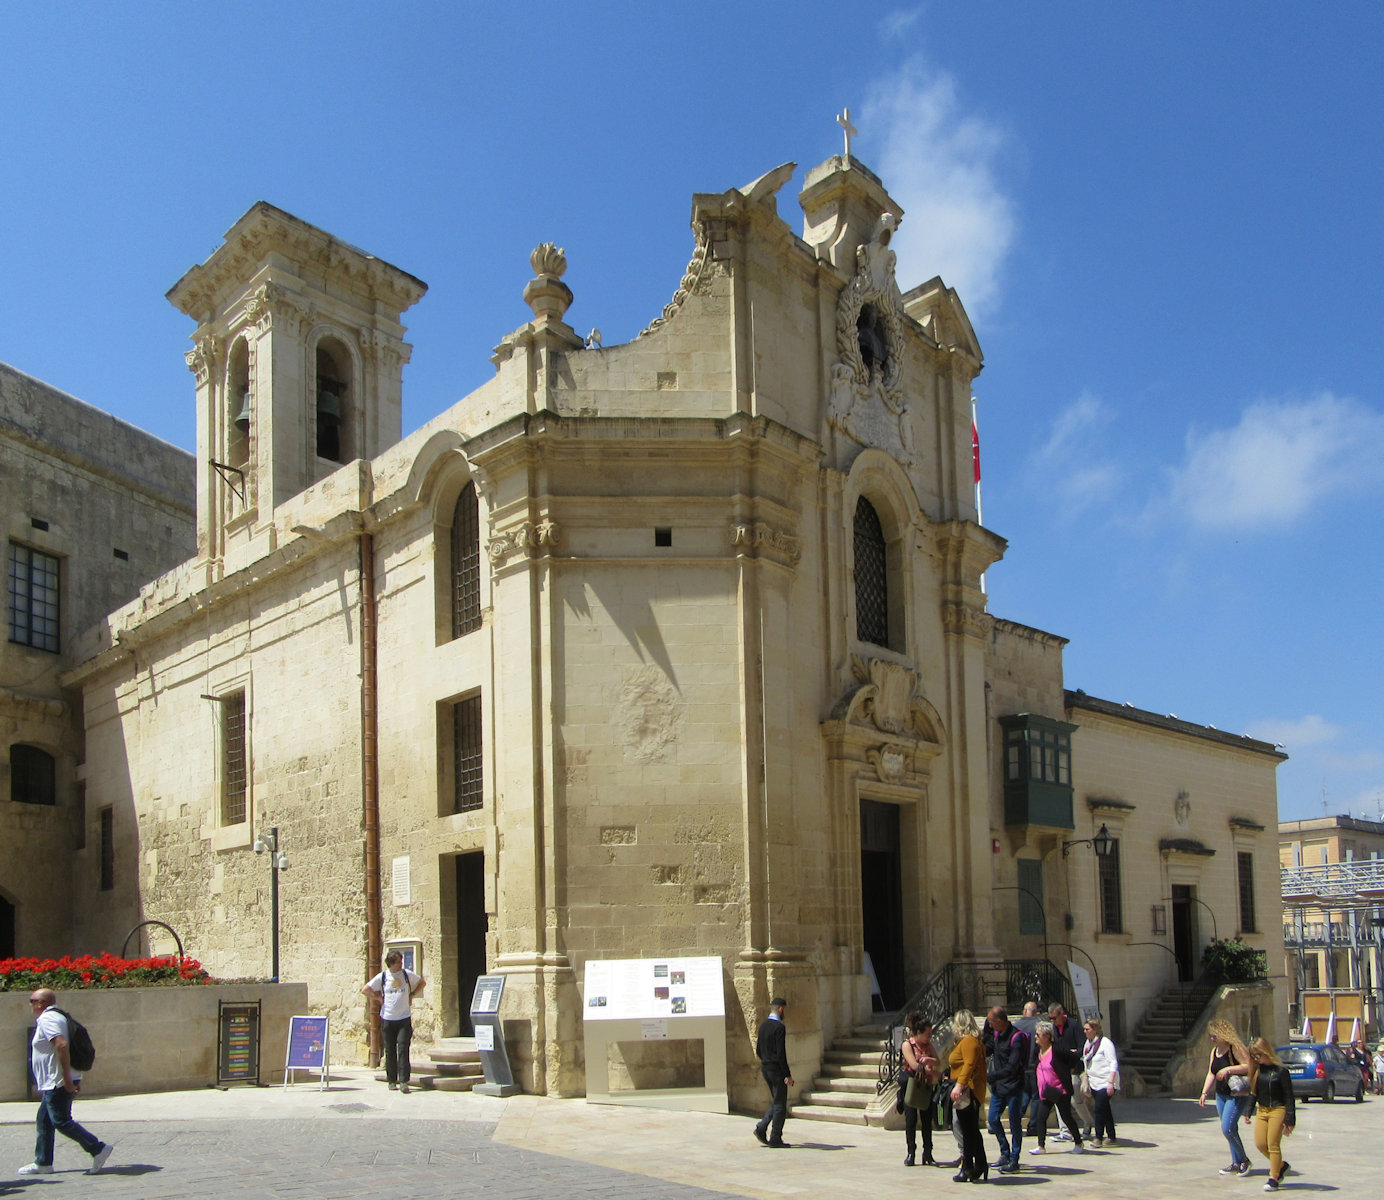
[[98, 1160], [36, 1169], [1011, 1167], [780, 1145], [1098, 1142], [1283, 1174], [761, 1135], [1038, 1149], [403, 1087], [1271, 1184], [1242, 1169], [393, 1087], [1233, 1169], [1061, 1136], [1078, 1149]]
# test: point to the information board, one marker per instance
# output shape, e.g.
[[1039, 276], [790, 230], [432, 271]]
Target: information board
[[647, 989], [308, 1044], [490, 1037], [656, 1000], [238, 1042]]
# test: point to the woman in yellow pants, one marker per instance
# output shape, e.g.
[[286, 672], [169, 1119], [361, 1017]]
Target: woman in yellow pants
[[1271, 1093]]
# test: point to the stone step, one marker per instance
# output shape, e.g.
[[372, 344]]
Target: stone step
[[849, 1100], [825, 1112], [852, 1070], [841, 1059], [864, 1045], [839, 1083]]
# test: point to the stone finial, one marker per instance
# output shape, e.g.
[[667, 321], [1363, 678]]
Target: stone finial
[[545, 293]]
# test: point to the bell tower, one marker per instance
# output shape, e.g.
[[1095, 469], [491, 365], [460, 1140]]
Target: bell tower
[[299, 356]]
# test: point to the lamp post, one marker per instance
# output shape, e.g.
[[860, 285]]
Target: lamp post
[[278, 861], [1042, 912], [1094, 973], [1215, 932]]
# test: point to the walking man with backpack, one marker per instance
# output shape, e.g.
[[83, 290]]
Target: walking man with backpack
[[58, 1081]]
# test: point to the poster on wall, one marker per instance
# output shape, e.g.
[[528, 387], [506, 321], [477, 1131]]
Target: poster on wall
[[654, 989]]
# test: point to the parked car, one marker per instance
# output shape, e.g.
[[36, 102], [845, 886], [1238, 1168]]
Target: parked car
[[1322, 1070]]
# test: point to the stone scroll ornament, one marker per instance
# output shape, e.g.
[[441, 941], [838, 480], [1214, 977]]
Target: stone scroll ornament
[[867, 403]]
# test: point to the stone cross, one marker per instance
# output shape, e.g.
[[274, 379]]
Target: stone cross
[[844, 120]]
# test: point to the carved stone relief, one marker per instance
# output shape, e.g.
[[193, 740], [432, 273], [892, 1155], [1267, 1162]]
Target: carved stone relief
[[521, 538], [867, 402], [760, 536]]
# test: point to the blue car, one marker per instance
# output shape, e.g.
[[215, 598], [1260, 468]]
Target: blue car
[[1322, 1070]]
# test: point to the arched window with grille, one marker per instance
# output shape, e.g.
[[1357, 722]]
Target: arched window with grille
[[466, 563], [871, 576]]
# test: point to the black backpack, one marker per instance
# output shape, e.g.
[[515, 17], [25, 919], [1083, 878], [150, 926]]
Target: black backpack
[[80, 1051]]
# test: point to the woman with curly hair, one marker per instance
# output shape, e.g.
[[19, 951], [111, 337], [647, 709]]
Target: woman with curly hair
[[967, 1064], [1271, 1089], [1227, 1075]]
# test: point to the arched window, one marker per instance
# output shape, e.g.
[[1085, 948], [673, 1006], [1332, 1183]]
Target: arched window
[[333, 402], [239, 405], [33, 775], [871, 576], [466, 563]]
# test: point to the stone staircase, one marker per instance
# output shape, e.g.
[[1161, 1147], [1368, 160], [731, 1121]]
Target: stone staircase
[[1161, 1032], [454, 1065], [846, 1085]]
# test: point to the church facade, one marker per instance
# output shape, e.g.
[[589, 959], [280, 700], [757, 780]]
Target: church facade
[[677, 647]]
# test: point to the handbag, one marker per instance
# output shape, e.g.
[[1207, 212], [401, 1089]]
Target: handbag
[[918, 1094], [965, 1099], [1239, 1084]]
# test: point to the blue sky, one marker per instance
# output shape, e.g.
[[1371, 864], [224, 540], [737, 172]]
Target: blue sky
[[1165, 222]]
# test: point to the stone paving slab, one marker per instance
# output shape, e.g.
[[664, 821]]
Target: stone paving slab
[[357, 1139]]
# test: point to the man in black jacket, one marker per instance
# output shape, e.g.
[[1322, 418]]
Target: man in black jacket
[[1008, 1049], [772, 1047]]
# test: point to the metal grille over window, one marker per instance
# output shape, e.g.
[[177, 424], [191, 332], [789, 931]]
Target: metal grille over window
[[467, 757], [871, 577], [1245, 861], [233, 759], [33, 775], [33, 587], [1108, 867], [466, 564]]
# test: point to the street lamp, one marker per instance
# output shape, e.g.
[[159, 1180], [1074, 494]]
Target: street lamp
[[1042, 912], [268, 843], [1102, 843]]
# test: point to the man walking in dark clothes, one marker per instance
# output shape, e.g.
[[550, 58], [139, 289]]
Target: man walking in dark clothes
[[772, 1047]]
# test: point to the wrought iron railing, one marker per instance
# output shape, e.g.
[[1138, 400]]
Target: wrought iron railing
[[977, 986]]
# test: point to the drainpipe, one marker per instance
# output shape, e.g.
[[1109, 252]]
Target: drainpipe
[[370, 777]]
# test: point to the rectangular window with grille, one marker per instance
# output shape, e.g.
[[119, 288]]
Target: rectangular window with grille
[[1108, 870], [467, 755], [33, 589], [107, 849], [1245, 864], [233, 759]]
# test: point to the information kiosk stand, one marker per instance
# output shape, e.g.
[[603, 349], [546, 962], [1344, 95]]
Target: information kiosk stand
[[490, 1038], [656, 1000]]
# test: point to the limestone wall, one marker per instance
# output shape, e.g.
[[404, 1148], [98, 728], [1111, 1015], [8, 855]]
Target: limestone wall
[[152, 1039]]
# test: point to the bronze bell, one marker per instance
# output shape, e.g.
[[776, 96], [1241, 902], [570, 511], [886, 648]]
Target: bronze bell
[[242, 419], [328, 402]]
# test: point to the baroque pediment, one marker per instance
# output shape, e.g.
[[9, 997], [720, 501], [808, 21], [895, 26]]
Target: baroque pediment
[[888, 701]]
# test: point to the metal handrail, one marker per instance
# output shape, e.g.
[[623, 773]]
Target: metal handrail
[[963, 985], [161, 925]]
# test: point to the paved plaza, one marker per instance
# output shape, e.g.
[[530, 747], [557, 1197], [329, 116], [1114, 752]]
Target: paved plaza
[[357, 1139]]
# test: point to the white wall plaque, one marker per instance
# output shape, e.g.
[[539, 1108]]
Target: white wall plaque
[[400, 880]]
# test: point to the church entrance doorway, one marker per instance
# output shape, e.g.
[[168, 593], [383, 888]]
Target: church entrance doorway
[[471, 930], [1184, 932], [881, 897]]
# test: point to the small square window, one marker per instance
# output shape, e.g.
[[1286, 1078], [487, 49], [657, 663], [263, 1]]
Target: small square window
[[663, 537]]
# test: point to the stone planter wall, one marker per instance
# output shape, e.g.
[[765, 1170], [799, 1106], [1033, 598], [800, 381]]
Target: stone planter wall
[[152, 1039]]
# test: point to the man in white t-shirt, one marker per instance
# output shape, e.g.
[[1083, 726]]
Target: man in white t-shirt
[[394, 988], [57, 1084]]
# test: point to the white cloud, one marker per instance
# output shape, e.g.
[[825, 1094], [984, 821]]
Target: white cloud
[[939, 162], [1279, 462], [1073, 464], [893, 25], [1295, 733]]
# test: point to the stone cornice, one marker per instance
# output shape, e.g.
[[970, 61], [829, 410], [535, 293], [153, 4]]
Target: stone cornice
[[1127, 712], [265, 230]]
